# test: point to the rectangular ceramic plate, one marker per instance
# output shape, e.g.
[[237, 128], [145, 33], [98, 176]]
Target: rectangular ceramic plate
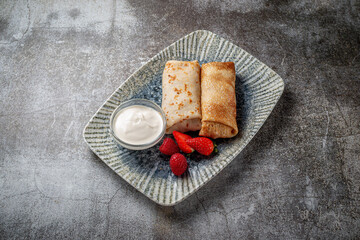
[[258, 88]]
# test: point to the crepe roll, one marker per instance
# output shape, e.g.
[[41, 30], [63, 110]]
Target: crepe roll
[[218, 101], [181, 96]]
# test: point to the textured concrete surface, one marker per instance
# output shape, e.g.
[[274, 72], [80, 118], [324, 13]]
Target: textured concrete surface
[[299, 178]]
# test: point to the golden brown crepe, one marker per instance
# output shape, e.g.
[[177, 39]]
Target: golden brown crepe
[[181, 96], [218, 102]]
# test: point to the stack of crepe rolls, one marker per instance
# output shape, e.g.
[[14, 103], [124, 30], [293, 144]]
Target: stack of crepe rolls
[[184, 95]]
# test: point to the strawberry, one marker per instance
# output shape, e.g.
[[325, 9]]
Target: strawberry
[[178, 164], [181, 141], [169, 147], [201, 144]]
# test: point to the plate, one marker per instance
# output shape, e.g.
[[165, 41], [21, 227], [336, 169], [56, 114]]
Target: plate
[[258, 88]]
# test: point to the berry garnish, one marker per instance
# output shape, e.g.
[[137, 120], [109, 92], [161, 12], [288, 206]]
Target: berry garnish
[[178, 164], [201, 144], [181, 141], [169, 147]]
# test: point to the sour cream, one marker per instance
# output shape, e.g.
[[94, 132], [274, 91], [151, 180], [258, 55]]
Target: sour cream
[[137, 125]]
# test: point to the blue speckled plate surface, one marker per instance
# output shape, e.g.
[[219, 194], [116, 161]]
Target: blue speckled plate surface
[[258, 88]]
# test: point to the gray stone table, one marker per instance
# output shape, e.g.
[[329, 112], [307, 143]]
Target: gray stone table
[[299, 178]]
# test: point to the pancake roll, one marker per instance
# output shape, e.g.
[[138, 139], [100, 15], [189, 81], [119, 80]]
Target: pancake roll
[[218, 101], [181, 96]]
